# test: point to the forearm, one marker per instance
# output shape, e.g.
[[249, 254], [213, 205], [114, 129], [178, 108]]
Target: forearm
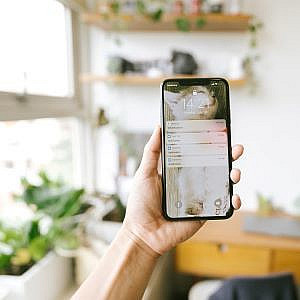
[[122, 273]]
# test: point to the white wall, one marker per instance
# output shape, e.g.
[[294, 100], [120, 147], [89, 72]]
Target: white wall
[[267, 123]]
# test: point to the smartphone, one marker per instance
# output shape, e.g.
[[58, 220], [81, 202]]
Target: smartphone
[[196, 149]]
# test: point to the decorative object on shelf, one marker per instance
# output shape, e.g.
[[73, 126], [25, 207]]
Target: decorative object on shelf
[[216, 6], [152, 68], [119, 65], [156, 9], [178, 7], [233, 7], [196, 7], [180, 63], [184, 63], [154, 72]]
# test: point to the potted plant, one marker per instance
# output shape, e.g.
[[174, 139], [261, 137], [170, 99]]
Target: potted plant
[[29, 266]]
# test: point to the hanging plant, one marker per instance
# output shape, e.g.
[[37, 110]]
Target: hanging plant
[[254, 28], [252, 57], [183, 24], [156, 15], [200, 23]]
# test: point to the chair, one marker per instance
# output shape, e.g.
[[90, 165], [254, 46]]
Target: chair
[[272, 287]]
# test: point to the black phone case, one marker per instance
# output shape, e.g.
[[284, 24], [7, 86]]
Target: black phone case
[[195, 81]]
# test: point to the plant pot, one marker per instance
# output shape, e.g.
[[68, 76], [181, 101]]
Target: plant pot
[[46, 280]]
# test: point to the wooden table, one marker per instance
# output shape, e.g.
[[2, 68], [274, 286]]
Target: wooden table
[[222, 249]]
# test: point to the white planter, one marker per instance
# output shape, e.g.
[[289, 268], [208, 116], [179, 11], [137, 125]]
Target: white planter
[[45, 280]]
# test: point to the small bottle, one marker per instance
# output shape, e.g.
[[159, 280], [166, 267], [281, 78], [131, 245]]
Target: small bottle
[[216, 6]]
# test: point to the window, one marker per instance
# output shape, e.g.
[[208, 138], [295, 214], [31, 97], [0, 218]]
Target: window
[[38, 59], [29, 146], [39, 93]]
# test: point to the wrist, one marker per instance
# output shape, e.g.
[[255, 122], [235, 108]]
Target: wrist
[[130, 234]]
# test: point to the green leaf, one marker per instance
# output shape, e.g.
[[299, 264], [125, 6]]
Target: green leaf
[[156, 16], [4, 262], [253, 43], [52, 198], [67, 241], [200, 23], [38, 248], [141, 7], [183, 24], [26, 245], [73, 205], [252, 28], [13, 237], [115, 7], [44, 177], [34, 230], [24, 182]]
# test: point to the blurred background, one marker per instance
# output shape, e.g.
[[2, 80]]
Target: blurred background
[[79, 97]]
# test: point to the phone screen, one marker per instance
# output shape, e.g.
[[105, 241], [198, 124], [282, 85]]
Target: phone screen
[[196, 141]]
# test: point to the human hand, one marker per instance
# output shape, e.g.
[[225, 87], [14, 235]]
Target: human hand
[[144, 219]]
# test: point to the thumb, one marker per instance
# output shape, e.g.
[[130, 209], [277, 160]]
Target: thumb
[[151, 153]]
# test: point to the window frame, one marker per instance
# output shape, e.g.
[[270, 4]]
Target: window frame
[[15, 106]]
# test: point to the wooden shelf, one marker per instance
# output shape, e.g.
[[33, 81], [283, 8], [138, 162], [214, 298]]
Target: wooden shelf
[[213, 22], [143, 80]]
